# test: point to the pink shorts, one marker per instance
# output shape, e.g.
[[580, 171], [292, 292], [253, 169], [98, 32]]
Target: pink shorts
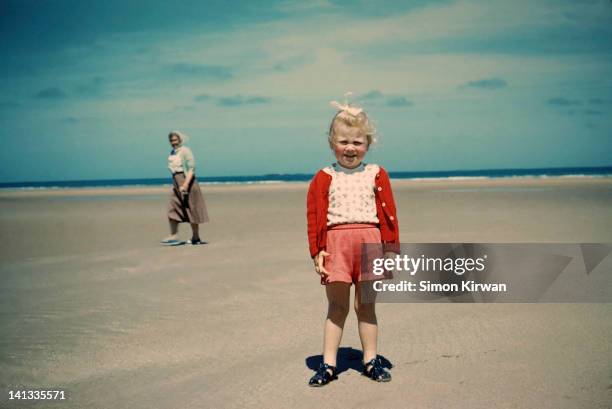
[[345, 251]]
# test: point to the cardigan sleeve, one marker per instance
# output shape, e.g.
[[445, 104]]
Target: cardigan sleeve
[[391, 239], [311, 217]]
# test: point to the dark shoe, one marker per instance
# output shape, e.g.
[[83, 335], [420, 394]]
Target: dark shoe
[[196, 241], [376, 372], [323, 375]]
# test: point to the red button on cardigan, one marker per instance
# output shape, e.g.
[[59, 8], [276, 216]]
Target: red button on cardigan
[[317, 203]]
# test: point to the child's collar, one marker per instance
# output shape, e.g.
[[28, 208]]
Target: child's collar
[[339, 168]]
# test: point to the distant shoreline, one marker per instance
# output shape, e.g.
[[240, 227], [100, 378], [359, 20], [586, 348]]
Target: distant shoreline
[[482, 174], [476, 184]]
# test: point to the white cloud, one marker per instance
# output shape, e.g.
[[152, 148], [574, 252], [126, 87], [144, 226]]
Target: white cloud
[[323, 56]]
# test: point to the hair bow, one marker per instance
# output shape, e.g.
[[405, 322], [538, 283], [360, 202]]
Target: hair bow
[[346, 107], [351, 110]]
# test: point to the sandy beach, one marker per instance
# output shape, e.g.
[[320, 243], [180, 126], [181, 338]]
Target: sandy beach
[[91, 303]]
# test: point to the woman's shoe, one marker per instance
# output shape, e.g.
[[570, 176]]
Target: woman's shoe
[[172, 242], [196, 241], [376, 372], [323, 375]]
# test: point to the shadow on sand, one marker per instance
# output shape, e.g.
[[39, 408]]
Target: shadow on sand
[[348, 358]]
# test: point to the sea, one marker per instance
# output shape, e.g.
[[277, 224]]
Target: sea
[[589, 172]]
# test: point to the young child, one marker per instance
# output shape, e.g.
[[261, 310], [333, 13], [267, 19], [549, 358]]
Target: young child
[[349, 203]]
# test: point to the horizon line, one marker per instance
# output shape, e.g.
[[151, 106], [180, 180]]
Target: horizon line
[[607, 169]]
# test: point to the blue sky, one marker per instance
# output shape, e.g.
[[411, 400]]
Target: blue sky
[[91, 88]]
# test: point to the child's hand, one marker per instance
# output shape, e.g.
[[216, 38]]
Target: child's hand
[[318, 264], [390, 255]]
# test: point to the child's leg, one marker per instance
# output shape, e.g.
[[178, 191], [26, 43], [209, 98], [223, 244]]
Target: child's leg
[[338, 297], [367, 324]]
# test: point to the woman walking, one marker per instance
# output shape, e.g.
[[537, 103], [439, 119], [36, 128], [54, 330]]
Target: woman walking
[[186, 201]]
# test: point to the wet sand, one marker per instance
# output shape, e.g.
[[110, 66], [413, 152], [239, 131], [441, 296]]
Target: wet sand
[[92, 304]]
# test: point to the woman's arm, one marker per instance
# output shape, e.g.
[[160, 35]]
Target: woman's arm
[[188, 177], [188, 166]]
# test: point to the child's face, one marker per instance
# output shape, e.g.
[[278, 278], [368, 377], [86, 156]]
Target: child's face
[[350, 145]]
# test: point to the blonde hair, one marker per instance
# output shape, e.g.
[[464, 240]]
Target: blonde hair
[[354, 117]]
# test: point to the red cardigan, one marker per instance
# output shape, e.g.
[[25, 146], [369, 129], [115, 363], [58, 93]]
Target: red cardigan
[[318, 201]]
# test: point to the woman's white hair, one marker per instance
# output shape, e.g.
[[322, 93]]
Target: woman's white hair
[[183, 137]]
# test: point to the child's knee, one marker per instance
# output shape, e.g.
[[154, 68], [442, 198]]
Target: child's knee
[[365, 312], [337, 311]]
